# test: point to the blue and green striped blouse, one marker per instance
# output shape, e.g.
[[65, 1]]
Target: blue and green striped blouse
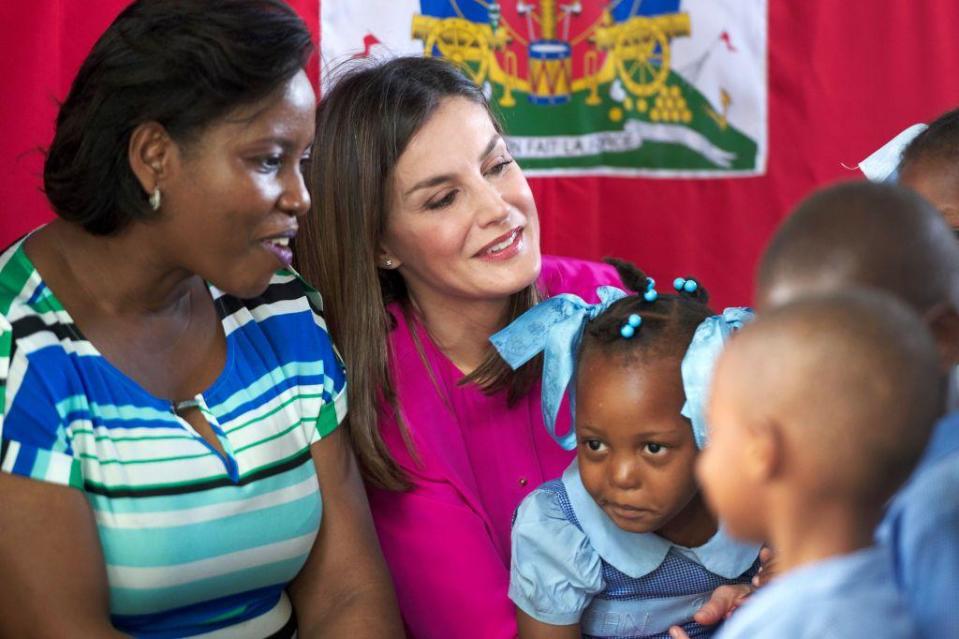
[[196, 544]]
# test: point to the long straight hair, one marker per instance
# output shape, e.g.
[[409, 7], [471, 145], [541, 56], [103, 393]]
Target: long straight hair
[[363, 125]]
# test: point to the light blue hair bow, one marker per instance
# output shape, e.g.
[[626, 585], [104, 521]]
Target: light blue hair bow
[[699, 362], [553, 327]]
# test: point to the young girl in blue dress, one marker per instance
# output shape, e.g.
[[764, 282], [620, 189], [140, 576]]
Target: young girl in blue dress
[[622, 544]]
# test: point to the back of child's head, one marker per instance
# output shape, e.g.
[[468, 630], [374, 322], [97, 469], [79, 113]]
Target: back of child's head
[[862, 234], [930, 165], [850, 379], [667, 321], [938, 144]]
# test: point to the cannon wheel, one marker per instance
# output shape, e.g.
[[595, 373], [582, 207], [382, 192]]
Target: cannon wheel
[[642, 58], [462, 44]]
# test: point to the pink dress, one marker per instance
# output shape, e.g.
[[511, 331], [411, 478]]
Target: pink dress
[[447, 541]]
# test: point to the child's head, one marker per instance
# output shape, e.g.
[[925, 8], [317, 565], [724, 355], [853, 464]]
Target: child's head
[[642, 365], [636, 451], [872, 235], [930, 165], [828, 399]]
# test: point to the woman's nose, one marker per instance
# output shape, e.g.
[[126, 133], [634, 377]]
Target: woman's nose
[[295, 198], [493, 208]]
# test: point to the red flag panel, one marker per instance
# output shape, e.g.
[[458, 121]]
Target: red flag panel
[[843, 78]]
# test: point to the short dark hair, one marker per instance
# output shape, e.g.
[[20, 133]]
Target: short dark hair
[[939, 142], [856, 372], [865, 234], [668, 322], [180, 63]]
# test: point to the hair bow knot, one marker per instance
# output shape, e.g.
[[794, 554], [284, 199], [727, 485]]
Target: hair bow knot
[[699, 363], [555, 328]]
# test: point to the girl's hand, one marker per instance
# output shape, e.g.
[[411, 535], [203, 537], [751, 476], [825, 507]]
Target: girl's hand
[[767, 567], [721, 604], [726, 599]]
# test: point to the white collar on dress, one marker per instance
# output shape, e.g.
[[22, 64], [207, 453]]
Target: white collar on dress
[[638, 554]]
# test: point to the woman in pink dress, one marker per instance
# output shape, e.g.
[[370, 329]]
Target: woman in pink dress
[[425, 241]]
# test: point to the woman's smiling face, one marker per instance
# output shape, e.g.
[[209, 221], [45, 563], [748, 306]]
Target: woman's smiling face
[[461, 222], [230, 198]]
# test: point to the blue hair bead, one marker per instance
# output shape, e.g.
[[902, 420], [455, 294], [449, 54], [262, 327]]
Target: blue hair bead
[[651, 295], [690, 286], [679, 283], [627, 331], [634, 320], [650, 283]]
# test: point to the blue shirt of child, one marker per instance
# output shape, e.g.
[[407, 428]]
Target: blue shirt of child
[[572, 564], [921, 527], [846, 596]]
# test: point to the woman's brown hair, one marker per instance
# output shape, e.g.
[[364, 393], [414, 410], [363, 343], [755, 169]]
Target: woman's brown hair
[[363, 125]]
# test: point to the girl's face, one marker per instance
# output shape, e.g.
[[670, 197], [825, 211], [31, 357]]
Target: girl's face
[[636, 452], [462, 224]]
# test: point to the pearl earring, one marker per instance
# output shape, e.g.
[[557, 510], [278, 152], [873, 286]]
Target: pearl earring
[[388, 263]]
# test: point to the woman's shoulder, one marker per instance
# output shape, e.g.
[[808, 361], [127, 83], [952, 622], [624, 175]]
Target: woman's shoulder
[[28, 309], [287, 306], [284, 324], [576, 276]]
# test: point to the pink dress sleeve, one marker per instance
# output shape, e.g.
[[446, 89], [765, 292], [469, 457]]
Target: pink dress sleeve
[[581, 277], [450, 579]]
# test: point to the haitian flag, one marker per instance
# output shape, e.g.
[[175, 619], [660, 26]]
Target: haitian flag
[[660, 88], [843, 78]]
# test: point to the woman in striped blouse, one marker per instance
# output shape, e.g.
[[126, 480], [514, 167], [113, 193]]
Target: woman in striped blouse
[[169, 397]]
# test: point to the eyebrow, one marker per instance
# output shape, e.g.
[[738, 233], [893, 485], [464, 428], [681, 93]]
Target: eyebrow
[[586, 430], [446, 177], [287, 144]]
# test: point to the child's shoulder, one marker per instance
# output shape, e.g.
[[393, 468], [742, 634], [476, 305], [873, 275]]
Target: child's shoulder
[[554, 570], [547, 503], [844, 596]]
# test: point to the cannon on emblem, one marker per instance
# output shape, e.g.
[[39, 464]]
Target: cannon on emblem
[[640, 49], [465, 43]]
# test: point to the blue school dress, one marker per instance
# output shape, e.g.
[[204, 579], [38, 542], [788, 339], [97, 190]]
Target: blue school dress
[[572, 564]]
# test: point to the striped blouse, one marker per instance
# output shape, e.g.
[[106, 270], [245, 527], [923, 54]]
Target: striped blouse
[[196, 543]]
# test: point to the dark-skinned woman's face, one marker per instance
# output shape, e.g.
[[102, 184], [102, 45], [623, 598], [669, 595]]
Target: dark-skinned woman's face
[[231, 197]]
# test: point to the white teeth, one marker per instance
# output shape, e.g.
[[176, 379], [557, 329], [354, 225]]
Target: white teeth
[[280, 241], [496, 248]]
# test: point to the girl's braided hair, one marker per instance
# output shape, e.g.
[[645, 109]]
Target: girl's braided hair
[[668, 322]]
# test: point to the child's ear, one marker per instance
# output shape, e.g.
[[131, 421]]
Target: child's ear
[[764, 451], [943, 320]]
